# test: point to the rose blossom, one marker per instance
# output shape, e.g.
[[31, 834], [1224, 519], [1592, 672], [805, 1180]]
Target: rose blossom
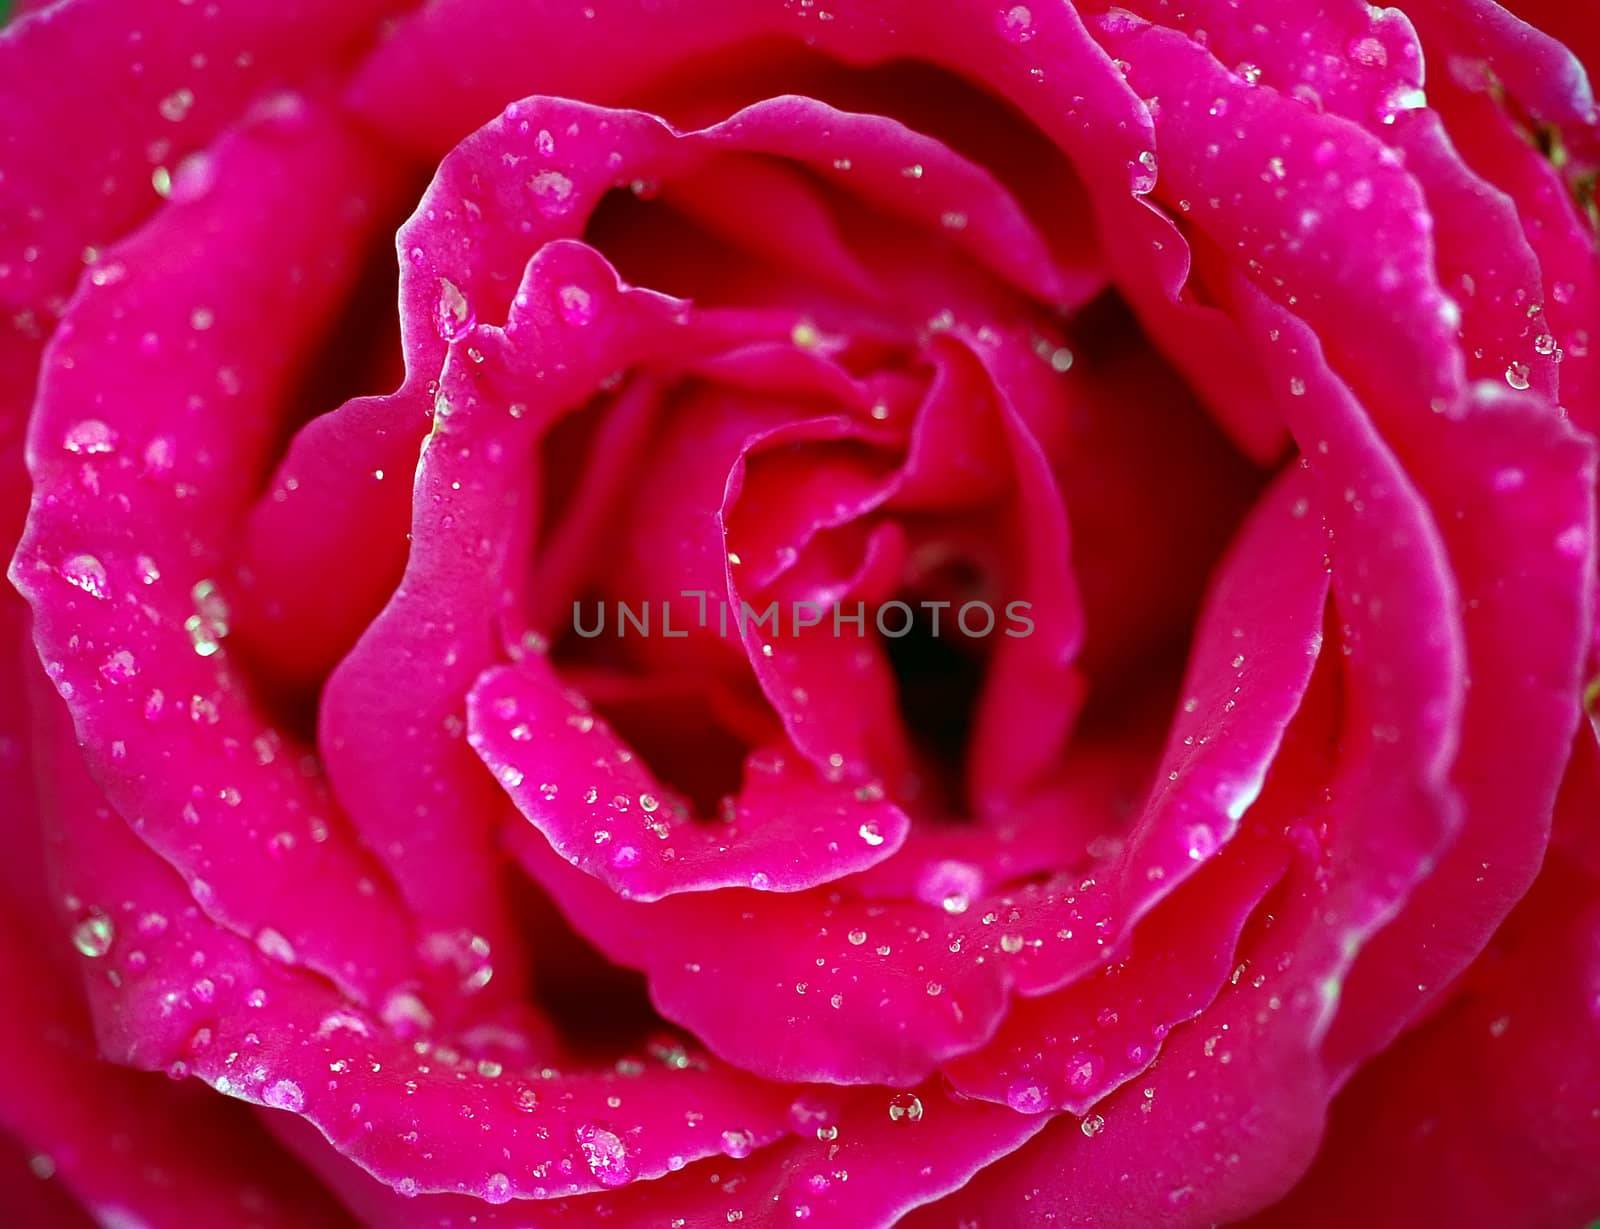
[[1240, 350]]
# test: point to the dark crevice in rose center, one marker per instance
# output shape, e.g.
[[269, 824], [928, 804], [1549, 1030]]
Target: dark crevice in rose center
[[938, 676]]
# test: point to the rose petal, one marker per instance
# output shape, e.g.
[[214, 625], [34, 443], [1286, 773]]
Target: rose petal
[[575, 781], [143, 444], [1485, 1113]]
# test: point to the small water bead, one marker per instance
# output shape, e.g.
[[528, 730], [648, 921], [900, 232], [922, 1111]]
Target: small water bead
[[738, 1144], [577, 305], [209, 623], [857, 937], [93, 936], [1082, 1071], [1201, 842], [1544, 344], [871, 834], [604, 1153], [285, 1095], [1144, 180], [453, 315], [89, 438], [1016, 24], [119, 667], [1517, 376], [950, 885], [552, 193], [1027, 1098], [160, 454], [87, 573], [905, 1107], [497, 1189], [274, 946], [1092, 1126], [1011, 944]]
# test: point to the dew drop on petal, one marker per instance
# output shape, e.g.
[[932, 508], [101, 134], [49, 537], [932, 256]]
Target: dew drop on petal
[[1016, 24], [89, 437], [552, 193], [738, 1144], [92, 936], [453, 315], [905, 1107], [1026, 1098], [604, 1154], [285, 1095], [274, 946], [497, 1189], [577, 305], [87, 573]]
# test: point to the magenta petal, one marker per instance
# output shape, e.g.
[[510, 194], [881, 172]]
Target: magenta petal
[[1068, 1049], [166, 80], [604, 811], [905, 173], [864, 1162], [1515, 486], [741, 970], [1484, 1114], [324, 548], [429, 816], [131, 1147], [1032, 693], [199, 1001], [1258, 639], [1317, 205], [1540, 73], [143, 443]]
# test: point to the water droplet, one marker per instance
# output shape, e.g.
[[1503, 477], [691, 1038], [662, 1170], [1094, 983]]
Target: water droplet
[[93, 936], [1092, 1125], [285, 1095], [761, 881], [577, 305], [209, 623], [604, 1154], [870, 833], [1082, 1070], [453, 316], [905, 1107], [87, 573], [950, 885], [1016, 24], [1144, 180], [274, 946], [1011, 944], [119, 667], [89, 437], [1201, 842], [857, 937], [738, 1144], [1517, 376], [175, 106], [552, 193], [1027, 1098]]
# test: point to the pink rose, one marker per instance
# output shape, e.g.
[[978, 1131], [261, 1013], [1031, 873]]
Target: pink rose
[[963, 615]]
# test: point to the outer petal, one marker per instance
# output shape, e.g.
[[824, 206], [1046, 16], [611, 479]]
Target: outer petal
[[142, 447], [1488, 1112]]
